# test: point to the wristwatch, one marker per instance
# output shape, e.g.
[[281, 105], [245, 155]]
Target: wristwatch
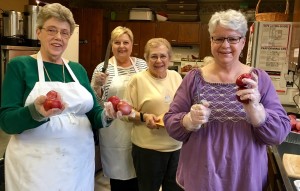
[[142, 117]]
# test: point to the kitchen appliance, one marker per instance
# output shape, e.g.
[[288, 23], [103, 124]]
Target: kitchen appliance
[[271, 46], [141, 14], [30, 15], [12, 28], [72, 51]]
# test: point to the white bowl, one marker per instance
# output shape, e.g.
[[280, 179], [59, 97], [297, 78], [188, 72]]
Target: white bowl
[[161, 18]]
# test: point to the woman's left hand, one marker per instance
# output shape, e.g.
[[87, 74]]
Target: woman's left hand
[[151, 120], [254, 109], [251, 93]]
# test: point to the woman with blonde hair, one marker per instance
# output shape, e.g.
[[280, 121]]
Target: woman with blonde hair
[[115, 141]]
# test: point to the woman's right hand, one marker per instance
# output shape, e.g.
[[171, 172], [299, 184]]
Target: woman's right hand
[[99, 79], [151, 120], [197, 116], [39, 106]]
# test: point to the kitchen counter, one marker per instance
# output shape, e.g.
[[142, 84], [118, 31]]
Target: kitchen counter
[[278, 151]]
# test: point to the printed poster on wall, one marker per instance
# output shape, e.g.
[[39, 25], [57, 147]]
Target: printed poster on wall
[[274, 46]]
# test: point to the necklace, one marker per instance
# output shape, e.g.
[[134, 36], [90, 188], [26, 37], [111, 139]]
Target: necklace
[[63, 73]]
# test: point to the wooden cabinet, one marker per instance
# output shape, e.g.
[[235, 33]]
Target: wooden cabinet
[[179, 32], [142, 32], [204, 47], [91, 36]]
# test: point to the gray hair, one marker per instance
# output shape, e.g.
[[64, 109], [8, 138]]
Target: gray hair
[[229, 19], [55, 10], [118, 31], [156, 42]]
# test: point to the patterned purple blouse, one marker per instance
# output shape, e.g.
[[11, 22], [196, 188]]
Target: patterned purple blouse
[[227, 153]]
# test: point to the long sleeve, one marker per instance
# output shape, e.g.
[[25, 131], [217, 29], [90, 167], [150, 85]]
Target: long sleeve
[[277, 124]]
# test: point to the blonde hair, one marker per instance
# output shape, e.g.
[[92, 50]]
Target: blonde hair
[[154, 43], [120, 30]]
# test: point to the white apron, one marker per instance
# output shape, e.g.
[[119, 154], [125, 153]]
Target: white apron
[[58, 155], [115, 141]]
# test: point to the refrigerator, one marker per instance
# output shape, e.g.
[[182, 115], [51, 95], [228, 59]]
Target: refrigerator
[[72, 51], [274, 47]]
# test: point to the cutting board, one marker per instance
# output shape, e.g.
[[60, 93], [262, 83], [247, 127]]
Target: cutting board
[[291, 164]]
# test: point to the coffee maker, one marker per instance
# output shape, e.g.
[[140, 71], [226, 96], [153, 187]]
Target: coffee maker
[[30, 15], [19, 29], [12, 28]]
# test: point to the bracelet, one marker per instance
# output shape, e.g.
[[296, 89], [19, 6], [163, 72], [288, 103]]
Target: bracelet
[[142, 117]]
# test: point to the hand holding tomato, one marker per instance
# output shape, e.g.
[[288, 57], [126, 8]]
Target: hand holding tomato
[[120, 107], [242, 86], [44, 103], [249, 94], [52, 101]]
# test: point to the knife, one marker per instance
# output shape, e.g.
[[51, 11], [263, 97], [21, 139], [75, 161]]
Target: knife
[[107, 54]]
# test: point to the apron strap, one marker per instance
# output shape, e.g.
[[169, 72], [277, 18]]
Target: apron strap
[[40, 67], [70, 70]]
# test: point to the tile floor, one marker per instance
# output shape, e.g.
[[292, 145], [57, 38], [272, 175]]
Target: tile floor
[[101, 182]]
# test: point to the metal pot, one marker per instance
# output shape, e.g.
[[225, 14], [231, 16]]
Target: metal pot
[[30, 16], [12, 24]]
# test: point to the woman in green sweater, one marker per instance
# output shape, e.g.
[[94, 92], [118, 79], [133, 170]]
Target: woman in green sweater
[[51, 149]]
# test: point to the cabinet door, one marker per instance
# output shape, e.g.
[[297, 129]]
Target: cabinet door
[[147, 31], [135, 28], [168, 30], [204, 42], [189, 33], [92, 51]]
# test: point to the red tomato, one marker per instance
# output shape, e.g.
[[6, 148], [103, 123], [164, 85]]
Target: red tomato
[[239, 80], [293, 123], [52, 103], [51, 94], [124, 107], [238, 97], [114, 100], [298, 125]]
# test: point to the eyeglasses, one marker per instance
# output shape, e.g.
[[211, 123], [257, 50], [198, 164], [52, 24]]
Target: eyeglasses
[[53, 31], [162, 57], [230, 40]]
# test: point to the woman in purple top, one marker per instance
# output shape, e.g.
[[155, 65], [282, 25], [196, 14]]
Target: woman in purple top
[[224, 140]]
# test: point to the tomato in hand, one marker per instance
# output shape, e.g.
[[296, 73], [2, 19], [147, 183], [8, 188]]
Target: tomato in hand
[[239, 81], [114, 100], [124, 107], [52, 101], [51, 94]]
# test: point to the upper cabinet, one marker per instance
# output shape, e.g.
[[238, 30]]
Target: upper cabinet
[[204, 48], [179, 32]]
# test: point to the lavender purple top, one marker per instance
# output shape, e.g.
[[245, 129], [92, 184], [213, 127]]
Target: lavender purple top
[[228, 153]]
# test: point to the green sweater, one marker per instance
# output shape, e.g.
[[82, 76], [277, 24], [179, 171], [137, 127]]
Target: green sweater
[[20, 78]]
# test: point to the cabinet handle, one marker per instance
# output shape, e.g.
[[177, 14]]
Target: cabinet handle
[[135, 44], [173, 40], [83, 41]]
